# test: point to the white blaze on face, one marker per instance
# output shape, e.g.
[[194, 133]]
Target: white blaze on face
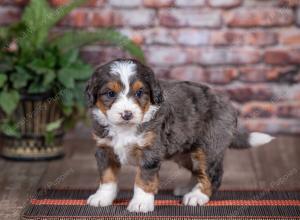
[[125, 70]]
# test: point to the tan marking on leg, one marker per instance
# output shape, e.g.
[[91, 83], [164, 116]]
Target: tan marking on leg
[[150, 185], [111, 173], [200, 172]]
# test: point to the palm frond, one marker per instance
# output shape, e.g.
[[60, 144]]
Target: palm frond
[[76, 39]]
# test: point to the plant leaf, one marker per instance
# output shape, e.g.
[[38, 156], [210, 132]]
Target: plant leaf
[[36, 18], [9, 101], [49, 77], [65, 77], [54, 125], [10, 129], [20, 78], [3, 79], [40, 66], [35, 87], [59, 13], [77, 39], [69, 57]]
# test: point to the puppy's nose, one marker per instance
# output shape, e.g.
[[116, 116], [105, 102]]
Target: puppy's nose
[[127, 115]]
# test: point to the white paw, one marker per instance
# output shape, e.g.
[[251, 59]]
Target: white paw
[[195, 197], [141, 201], [181, 190], [104, 196]]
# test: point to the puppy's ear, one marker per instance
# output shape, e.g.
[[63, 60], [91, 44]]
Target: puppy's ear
[[91, 92], [155, 88]]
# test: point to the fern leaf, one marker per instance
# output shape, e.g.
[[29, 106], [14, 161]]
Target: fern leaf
[[77, 39], [59, 13]]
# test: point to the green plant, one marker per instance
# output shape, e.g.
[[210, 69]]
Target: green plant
[[34, 60]]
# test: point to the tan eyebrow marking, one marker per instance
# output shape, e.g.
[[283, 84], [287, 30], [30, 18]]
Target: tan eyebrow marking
[[114, 86], [137, 85]]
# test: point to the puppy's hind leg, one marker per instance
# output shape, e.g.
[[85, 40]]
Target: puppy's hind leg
[[202, 190]]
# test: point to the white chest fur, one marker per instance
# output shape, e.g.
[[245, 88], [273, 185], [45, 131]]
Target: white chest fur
[[123, 139]]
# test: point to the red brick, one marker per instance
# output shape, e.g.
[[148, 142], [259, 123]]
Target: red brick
[[59, 2], [9, 15], [125, 4], [273, 126], [289, 3], [77, 18], [228, 56], [191, 73], [134, 18], [288, 110], [166, 56], [100, 55], [290, 36], [221, 75], [159, 36], [102, 18], [258, 110], [264, 74], [245, 93], [191, 18], [136, 36], [192, 37], [14, 2], [233, 37], [158, 3], [193, 3], [282, 56], [228, 37], [260, 38], [224, 3], [253, 17]]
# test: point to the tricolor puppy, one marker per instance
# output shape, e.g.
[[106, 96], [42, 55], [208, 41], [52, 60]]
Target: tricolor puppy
[[142, 121]]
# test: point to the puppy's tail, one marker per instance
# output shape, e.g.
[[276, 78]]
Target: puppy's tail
[[244, 140]]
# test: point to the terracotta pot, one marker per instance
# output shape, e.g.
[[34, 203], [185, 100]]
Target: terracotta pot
[[32, 116]]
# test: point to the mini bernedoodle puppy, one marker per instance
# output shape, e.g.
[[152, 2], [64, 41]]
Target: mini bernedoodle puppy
[[141, 121]]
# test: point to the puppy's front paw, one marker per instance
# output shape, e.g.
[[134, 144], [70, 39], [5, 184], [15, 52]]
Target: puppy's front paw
[[195, 197], [141, 201], [104, 196]]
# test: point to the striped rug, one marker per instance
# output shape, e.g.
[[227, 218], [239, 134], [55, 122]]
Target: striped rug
[[71, 204]]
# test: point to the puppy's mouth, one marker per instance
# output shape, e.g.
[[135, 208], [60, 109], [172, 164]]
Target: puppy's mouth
[[127, 123]]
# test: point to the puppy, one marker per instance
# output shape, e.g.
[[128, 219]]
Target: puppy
[[142, 121]]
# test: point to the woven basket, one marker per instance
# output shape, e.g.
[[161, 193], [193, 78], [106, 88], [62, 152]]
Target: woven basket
[[32, 116]]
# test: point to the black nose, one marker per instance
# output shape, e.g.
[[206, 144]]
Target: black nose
[[127, 115]]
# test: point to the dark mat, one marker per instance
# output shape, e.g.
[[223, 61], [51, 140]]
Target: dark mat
[[71, 204]]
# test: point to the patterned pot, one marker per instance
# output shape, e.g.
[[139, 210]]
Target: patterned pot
[[32, 116]]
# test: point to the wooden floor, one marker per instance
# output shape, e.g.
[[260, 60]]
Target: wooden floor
[[276, 165]]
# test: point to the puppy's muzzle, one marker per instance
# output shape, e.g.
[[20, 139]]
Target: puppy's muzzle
[[127, 115]]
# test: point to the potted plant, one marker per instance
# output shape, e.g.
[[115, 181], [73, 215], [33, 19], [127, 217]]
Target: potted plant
[[42, 79]]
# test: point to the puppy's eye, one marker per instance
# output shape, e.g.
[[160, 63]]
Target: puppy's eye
[[111, 94], [139, 93]]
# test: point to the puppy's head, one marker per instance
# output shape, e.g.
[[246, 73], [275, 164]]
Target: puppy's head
[[124, 90]]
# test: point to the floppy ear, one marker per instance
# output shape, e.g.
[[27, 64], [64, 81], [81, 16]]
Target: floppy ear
[[155, 89], [91, 92]]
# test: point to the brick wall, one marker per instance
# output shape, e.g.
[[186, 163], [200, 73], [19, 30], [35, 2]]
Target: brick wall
[[249, 49]]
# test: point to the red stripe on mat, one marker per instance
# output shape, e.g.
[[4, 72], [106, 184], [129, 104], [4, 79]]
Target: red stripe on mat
[[175, 202]]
